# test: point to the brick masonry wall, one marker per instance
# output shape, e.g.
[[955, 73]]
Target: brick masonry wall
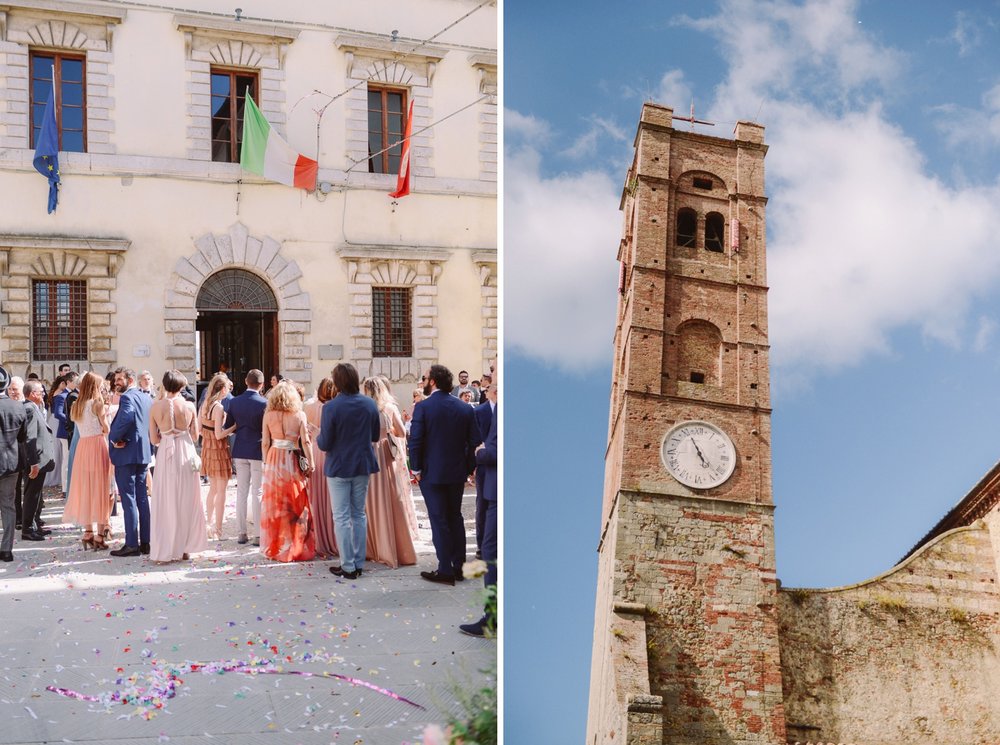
[[705, 569], [908, 657]]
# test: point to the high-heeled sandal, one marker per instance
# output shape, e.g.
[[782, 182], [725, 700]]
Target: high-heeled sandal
[[99, 544], [106, 535], [88, 541]]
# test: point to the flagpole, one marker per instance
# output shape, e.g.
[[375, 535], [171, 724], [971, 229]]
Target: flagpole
[[401, 140]]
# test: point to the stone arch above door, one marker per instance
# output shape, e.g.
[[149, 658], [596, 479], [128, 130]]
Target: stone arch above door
[[240, 250]]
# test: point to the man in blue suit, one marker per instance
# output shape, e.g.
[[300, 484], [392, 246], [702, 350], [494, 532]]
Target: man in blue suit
[[443, 439], [130, 452], [484, 419], [486, 464], [246, 411]]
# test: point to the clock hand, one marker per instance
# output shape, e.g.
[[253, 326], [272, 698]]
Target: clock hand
[[704, 463]]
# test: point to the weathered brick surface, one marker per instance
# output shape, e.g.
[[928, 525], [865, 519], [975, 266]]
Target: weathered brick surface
[[701, 562], [908, 657]]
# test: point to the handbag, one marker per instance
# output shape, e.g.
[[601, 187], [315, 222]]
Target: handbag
[[301, 460]]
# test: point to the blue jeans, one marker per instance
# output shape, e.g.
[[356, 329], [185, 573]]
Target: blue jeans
[[350, 525]]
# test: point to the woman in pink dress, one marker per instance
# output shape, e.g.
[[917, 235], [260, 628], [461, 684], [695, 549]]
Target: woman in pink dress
[[286, 530], [216, 462], [390, 540], [176, 517], [88, 503], [319, 493]]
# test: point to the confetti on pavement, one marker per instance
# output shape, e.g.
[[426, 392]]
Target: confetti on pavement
[[228, 644]]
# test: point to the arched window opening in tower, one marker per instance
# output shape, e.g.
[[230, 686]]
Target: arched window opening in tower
[[687, 227], [715, 230]]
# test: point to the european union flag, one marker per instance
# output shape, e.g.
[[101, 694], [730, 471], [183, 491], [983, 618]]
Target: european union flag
[[46, 160]]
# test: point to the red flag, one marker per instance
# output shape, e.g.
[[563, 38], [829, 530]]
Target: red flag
[[403, 181]]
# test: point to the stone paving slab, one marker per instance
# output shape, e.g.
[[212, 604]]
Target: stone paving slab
[[94, 624]]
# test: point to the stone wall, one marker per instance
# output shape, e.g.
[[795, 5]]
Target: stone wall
[[909, 657]]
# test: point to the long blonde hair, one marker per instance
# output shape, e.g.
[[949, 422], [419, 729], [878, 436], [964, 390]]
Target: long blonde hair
[[217, 389], [376, 389], [89, 392], [284, 397]]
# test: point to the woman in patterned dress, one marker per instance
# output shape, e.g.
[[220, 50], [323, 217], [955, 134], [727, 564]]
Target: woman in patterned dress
[[286, 530]]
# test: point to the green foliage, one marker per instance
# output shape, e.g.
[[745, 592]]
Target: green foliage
[[891, 602], [479, 724], [798, 595], [958, 615]]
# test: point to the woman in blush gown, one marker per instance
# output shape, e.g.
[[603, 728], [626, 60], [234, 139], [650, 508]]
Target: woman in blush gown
[[87, 503], [389, 538], [319, 492], [176, 517], [286, 530]]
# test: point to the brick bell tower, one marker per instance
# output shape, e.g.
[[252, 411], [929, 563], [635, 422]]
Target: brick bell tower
[[685, 633]]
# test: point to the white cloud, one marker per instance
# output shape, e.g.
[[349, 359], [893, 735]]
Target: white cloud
[[865, 242], [962, 126], [794, 51], [674, 89], [862, 240], [967, 34], [525, 127], [984, 334], [561, 236], [585, 145]]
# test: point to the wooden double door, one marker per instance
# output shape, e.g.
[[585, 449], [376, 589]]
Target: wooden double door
[[240, 339]]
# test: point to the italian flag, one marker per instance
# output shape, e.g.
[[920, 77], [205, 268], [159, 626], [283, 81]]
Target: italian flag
[[263, 152]]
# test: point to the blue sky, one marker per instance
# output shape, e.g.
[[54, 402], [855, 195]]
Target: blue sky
[[883, 264]]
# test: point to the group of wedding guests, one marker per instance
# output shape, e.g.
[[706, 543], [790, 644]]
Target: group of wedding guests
[[287, 467], [325, 477]]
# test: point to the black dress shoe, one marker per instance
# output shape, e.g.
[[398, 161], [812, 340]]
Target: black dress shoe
[[444, 579], [126, 551], [473, 629], [144, 548], [43, 531], [32, 536], [339, 571], [6, 556]]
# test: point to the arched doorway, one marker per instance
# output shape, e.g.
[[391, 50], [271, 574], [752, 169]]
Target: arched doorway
[[237, 326]]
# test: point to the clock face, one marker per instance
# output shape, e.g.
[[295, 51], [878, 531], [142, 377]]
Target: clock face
[[698, 454]]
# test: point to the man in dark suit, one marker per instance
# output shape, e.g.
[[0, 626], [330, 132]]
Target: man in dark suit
[[246, 411], [443, 440], [39, 458], [484, 418], [130, 453], [13, 432], [486, 464]]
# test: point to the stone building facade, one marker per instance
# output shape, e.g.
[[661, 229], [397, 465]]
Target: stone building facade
[[695, 641], [163, 253]]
